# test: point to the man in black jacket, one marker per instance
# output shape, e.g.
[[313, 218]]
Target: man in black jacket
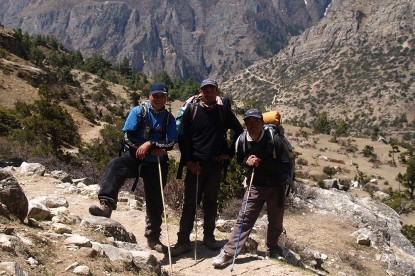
[[205, 147], [265, 151]]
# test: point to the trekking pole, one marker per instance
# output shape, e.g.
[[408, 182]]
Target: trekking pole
[[165, 215], [243, 219], [197, 193]]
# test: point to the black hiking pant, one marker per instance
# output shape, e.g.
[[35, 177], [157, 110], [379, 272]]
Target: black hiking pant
[[126, 166], [208, 191]]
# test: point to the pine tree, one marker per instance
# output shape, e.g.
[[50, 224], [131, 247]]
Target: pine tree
[[408, 179]]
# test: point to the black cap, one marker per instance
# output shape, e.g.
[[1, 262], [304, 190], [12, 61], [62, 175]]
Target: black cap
[[207, 82], [158, 87], [253, 113]]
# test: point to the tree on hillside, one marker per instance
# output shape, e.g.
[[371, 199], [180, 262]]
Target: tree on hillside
[[408, 179], [179, 90], [76, 59], [8, 121], [342, 128], [46, 129], [101, 150], [368, 151], [360, 176], [164, 77], [96, 65], [252, 103], [36, 55], [395, 149], [329, 171], [322, 124], [125, 68]]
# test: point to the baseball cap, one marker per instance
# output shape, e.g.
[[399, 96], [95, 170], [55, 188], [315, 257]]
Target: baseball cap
[[207, 82], [158, 87], [253, 113]]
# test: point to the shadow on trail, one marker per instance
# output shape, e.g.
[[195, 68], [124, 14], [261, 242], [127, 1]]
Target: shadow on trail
[[203, 253]]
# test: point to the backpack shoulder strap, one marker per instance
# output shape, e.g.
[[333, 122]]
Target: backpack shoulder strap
[[222, 113], [226, 102], [272, 135], [193, 109], [242, 142], [143, 115], [166, 123]]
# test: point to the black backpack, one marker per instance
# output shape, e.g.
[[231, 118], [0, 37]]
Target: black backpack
[[274, 130]]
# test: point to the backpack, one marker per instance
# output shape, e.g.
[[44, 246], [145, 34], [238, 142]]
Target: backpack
[[274, 130], [143, 125]]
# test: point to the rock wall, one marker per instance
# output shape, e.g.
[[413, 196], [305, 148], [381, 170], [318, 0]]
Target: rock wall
[[185, 38]]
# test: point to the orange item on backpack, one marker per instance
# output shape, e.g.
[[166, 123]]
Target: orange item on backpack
[[272, 117]]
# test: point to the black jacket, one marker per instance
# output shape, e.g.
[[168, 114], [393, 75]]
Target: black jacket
[[272, 170], [205, 132]]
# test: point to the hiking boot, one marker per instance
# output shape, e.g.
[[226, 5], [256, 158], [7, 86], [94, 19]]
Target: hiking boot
[[222, 260], [180, 249], [211, 243], [155, 244], [104, 210], [274, 253]]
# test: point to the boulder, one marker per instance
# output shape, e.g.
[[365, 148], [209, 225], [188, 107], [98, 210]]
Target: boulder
[[29, 169], [37, 211], [12, 197], [109, 228], [61, 175]]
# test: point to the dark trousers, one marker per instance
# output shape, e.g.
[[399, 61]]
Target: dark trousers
[[275, 199], [209, 183], [125, 166]]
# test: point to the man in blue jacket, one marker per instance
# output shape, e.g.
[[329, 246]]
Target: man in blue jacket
[[150, 131]]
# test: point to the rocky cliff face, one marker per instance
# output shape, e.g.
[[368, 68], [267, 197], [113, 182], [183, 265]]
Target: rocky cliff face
[[185, 38], [357, 63]]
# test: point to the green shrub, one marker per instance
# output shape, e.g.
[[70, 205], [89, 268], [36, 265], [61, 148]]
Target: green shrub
[[368, 151], [395, 201], [409, 232], [8, 121], [46, 127], [329, 171], [101, 150], [321, 184], [3, 53], [322, 124], [232, 186]]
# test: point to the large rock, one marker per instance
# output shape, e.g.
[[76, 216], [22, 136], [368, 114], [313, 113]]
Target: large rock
[[12, 196], [29, 169], [52, 201], [379, 225], [13, 268], [109, 228], [37, 211]]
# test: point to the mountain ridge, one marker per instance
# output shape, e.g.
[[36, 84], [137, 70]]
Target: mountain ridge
[[187, 38], [358, 60]]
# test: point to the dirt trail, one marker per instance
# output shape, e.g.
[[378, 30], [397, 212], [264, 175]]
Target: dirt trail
[[325, 233]]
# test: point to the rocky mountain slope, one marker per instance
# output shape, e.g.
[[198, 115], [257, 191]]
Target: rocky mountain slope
[[357, 63], [185, 38]]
